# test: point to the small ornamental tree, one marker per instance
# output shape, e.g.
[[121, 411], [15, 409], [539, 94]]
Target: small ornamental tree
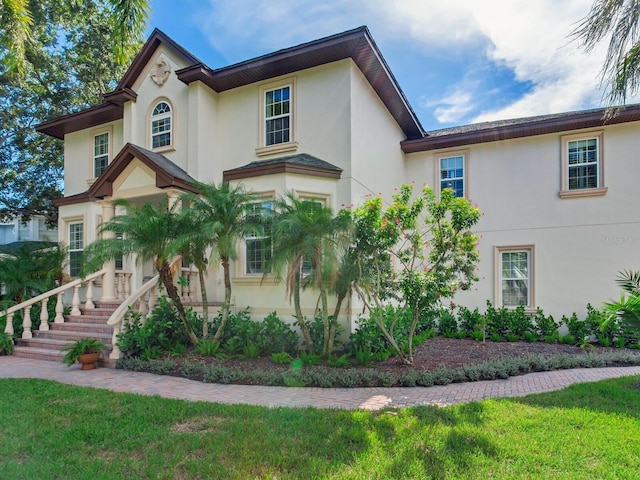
[[414, 253]]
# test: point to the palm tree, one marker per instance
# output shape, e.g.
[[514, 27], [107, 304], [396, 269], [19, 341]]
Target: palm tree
[[619, 19], [130, 19], [220, 214], [149, 233], [306, 236], [29, 271]]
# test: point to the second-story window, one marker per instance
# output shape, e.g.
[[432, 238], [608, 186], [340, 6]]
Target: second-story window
[[161, 125], [452, 174], [277, 115], [100, 153]]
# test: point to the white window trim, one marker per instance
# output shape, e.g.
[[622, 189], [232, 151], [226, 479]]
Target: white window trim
[[149, 128], [241, 274], [530, 249], [92, 166], [292, 145], [465, 170], [601, 189], [67, 236]]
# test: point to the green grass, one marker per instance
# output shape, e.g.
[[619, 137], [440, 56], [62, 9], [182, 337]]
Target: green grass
[[49, 430]]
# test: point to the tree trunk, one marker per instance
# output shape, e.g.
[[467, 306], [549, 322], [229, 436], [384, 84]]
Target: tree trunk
[[301, 321], [205, 305], [325, 322], [226, 307], [334, 322], [172, 291]]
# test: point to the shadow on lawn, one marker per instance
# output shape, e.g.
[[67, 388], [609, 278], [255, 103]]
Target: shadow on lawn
[[613, 396]]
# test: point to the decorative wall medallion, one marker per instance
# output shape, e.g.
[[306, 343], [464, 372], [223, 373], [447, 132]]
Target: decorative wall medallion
[[160, 72]]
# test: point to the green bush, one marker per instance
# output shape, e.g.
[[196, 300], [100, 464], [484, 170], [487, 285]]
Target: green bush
[[469, 321], [577, 328], [447, 323], [160, 333], [268, 336], [497, 321], [6, 344], [368, 334], [518, 323], [545, 325]]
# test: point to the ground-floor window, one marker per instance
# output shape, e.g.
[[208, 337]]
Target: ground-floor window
[[258, 248], [76, 247], [515, 275]]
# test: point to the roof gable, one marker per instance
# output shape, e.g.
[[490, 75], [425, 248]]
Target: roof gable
[[167, 173]]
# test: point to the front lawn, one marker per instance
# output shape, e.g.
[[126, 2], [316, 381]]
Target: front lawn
[[49, 430]]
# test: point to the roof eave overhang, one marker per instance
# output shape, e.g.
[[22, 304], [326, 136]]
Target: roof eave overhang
[[92, 117], [577, 121], [287, 168], [356, 44]]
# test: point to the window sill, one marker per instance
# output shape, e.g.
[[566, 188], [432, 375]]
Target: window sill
[[169, 148], [278, 148], [584, 192], [255, 280]]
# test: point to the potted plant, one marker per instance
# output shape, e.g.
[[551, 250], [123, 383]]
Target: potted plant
[[86, 351]]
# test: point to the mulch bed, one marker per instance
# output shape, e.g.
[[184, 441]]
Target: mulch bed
[[432, 354]]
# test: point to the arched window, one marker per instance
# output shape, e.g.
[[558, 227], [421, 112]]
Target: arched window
[[161, 125]]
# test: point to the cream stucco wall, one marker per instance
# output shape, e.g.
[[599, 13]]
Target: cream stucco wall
[[580, 243], [377, 163]]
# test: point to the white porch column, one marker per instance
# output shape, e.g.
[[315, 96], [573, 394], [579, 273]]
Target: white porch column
[[109, 279], [172, 196]]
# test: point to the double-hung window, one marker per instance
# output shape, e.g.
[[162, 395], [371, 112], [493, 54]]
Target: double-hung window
[[582, 165], [452, 174], [100, 153], [76, 247], [582, 158], [161, 122], [277, 115], [258, 248], [515, 267]]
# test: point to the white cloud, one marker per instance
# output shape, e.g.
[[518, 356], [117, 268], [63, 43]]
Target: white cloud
[[529, 38]]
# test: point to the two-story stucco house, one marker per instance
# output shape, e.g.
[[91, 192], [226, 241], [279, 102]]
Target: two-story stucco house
[[327, 120]]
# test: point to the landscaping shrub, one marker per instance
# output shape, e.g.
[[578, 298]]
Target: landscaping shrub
[[368, 334], [545, 325], [518, 323], [470, 321], [497, 322], [243, 335], [160, 333], [447, 323]]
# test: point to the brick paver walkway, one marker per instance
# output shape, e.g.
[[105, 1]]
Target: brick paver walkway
[[343, 398]]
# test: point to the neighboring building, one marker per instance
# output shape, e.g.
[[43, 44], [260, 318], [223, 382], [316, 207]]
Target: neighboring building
[[328, 121], [34, 230]]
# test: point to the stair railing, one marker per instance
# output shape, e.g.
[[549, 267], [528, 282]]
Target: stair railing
[[44, 298], [144, 304]]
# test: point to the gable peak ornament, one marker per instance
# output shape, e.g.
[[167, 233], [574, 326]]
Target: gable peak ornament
[[160, 72]]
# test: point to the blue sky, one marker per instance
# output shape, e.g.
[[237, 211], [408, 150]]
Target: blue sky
[[457, 61]]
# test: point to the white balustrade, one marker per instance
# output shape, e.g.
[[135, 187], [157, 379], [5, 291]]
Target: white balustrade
[[26, 322], [88, 304], [44, 315]]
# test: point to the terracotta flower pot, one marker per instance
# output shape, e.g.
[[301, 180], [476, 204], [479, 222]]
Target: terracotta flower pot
[[88, 360]]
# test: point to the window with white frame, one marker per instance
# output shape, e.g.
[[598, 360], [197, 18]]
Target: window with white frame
[[161, 122], [100, 153], [277, 115], [452, 174], [258, 248], [515, 268], [76, 247], [583, 163]]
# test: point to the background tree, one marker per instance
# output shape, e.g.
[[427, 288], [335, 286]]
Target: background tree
[[429, 241], [65, 53], [307, 236], [146, 233], [218, 220], [619, 20]]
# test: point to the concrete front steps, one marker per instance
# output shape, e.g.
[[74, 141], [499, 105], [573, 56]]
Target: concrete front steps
[[48, 344]]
